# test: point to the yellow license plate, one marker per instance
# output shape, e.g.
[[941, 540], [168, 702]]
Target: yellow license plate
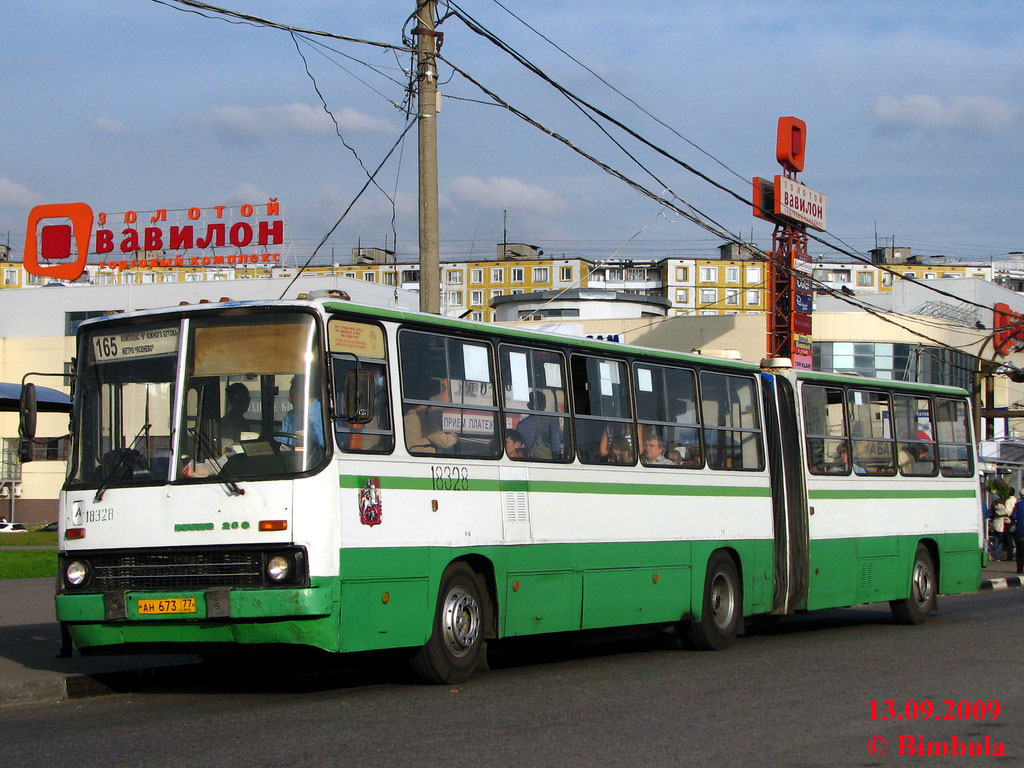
[[167, 605]]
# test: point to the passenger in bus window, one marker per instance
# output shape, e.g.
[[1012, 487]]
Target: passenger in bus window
[[842, 460], [653, 448], [296, 421], [234, 423], [424, 428], [615, 450], [514, 444], [542, 435]]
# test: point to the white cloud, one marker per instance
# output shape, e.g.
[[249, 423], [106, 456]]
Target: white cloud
[[929, 113], [14, 195], [296, 118], [503, 193], [105, 124]]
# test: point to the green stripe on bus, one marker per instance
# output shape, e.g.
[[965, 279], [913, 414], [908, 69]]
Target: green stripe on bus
[[894, 493], [554, 486]]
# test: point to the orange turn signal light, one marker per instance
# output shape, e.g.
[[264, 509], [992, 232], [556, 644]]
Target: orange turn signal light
[[74, 533], [273, 525]]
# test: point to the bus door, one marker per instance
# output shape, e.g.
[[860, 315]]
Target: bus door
[[789, 499]]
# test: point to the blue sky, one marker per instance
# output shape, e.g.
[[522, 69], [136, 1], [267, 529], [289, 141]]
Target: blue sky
[[914, 114]]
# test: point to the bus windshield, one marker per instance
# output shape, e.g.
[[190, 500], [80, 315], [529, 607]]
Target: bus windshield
[[250, 403]]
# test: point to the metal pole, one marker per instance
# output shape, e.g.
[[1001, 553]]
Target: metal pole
[[430, 266]]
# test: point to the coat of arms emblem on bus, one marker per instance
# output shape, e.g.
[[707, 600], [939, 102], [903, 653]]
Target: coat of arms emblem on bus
[[369, 502]]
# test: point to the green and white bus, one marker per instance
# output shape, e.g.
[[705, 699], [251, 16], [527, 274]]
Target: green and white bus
[[353, 478]]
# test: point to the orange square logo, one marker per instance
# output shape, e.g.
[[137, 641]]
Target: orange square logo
[[63, 246]]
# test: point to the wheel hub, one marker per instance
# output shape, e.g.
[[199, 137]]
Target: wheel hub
[[460, 621]]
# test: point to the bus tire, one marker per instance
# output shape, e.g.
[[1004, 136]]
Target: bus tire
[[922, 600], [723, 606], [456, 642]]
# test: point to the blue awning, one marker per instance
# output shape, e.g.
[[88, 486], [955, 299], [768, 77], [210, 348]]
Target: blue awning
[[48, 400]]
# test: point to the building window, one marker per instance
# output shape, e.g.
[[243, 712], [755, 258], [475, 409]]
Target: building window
[[476, 298], [498, 275], [929, 275], [753, 298], [865, 279], [565, 274], [410, 275], [732, 274], [370, 277], [455, 298], [74, 319], [390, 278], [350, 274], [516, 291], [886, 279], [682, 274], [682, 295], [732, 296], [709, 313], [635, 273], [910, 275], [518, 274], [476, 276], [541, 275], [496, 293], [753, 275], [841, 276], [478, 316], [453, 277], [10, 277], [709, 274], [708, 295]]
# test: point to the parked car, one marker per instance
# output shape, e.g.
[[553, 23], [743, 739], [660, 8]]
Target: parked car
[[12, 528], [49, 527]]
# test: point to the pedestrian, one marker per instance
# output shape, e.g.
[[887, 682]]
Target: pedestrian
[[1016, 528], [1009, 505]]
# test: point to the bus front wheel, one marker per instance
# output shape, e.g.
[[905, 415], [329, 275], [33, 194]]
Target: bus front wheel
[[922, 600], [723, 606], [456, 641]]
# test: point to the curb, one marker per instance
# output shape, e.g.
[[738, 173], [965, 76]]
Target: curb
[[1009, 581], [58, 689]]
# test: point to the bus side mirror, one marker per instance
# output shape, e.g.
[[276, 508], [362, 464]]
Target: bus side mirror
[[358, 396], [27, 409], [25, 451]]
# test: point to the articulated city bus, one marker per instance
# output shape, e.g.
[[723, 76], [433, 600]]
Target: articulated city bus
[[353, 478]]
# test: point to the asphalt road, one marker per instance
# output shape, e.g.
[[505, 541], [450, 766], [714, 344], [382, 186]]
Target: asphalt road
[[797, 694]]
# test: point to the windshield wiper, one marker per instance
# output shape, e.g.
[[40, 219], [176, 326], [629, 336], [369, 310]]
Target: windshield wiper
[[206, 443], [122, 467]]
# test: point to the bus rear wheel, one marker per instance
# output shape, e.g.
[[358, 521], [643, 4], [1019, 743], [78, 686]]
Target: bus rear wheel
[[723, 606], [456, 641], [923, 590]]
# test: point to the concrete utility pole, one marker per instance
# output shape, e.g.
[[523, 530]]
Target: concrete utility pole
[[430, 259]]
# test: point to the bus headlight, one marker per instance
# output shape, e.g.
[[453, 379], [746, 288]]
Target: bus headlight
[[278, 568], [76, 573]]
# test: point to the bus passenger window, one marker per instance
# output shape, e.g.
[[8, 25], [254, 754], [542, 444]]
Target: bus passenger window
[[376, 435], [915, 454], [665, 400], [533, 385], [449, 405], [358, 345], [732, 425], [870, 422], [956, 451], [828, 446], [604, 416]]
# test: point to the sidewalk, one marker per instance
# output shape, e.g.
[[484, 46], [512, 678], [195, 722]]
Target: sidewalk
[[30, 641], [30, 670]]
